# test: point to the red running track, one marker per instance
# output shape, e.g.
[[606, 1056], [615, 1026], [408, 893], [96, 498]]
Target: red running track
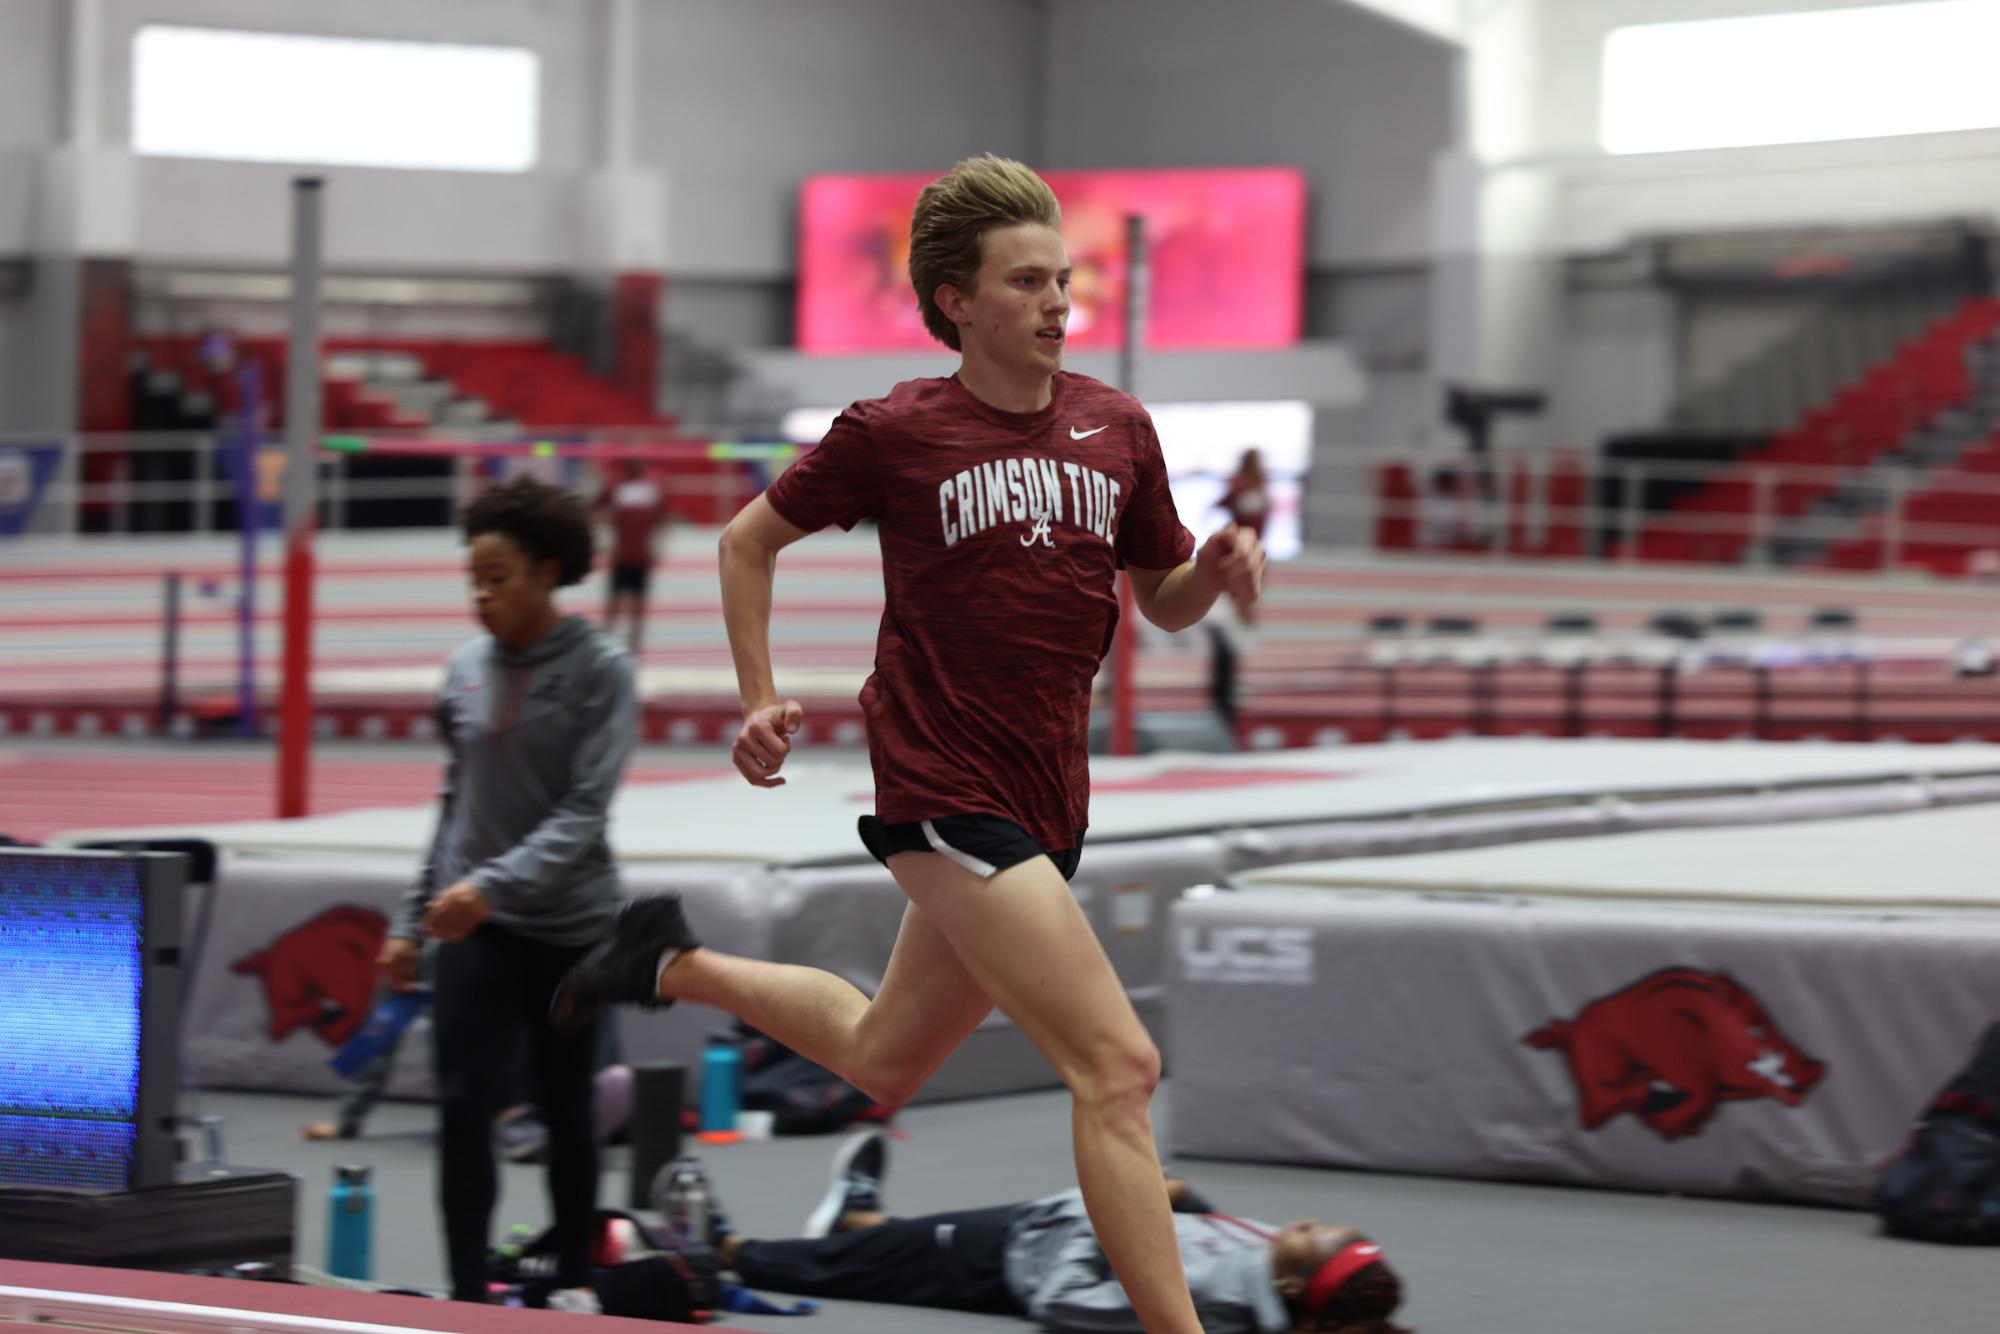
[[300, 1301]]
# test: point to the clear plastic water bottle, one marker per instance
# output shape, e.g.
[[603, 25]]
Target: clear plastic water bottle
[[721, 1083], [350, 1223], [681, 1196]]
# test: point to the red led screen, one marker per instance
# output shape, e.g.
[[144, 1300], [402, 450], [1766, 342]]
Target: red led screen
[[1227, 248]]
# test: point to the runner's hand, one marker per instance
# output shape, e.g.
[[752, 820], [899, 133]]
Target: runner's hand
[[765, 740], [1233, 561]]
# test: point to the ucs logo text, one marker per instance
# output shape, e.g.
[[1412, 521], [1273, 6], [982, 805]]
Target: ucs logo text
[[1277, 955]]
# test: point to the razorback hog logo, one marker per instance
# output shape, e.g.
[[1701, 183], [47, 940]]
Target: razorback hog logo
[[1672, 1047], [320, 974]]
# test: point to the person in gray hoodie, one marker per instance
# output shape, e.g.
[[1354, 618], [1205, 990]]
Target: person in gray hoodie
[[1041, 1260], [538, 716]]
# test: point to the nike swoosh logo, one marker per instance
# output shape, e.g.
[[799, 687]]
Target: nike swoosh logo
[[1075, 434]]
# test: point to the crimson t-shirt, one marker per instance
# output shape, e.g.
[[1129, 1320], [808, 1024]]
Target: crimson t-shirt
[[637, 507], [1001, 536]]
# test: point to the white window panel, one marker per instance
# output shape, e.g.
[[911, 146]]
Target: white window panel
[[338, 101], [1800, 78]]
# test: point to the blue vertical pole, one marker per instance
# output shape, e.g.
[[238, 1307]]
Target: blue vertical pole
[[249, 517]]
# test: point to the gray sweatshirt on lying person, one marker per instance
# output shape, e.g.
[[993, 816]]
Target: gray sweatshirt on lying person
[[536, 742], [1060, 1275]]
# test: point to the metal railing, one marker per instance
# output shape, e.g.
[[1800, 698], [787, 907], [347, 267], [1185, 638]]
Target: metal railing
[[1556, 504], [184, 483], [1576, 505]]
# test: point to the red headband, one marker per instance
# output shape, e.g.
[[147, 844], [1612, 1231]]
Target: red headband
[[1339, 1267]]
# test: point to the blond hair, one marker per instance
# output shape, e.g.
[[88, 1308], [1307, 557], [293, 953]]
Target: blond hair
[[950, 222]]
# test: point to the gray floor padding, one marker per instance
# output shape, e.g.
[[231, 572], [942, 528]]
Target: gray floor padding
[[1481, 1258]]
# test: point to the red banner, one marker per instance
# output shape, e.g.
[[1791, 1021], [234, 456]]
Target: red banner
[[1227, 248]]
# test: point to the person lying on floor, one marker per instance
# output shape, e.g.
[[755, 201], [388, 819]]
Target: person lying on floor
[[1040, 1259]]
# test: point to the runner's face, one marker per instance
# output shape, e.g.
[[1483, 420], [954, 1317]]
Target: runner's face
[[1017, 315], [509, 596]]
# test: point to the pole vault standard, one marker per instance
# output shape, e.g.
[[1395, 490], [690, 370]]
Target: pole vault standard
[[1125, 638], [602, 451], [302, 436]]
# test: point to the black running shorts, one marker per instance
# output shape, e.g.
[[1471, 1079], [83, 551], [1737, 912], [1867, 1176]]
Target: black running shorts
[[983, 844]]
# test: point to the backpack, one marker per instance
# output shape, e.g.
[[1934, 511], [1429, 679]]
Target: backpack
[[677, 1282], [802, 1097], [1945, 1184]]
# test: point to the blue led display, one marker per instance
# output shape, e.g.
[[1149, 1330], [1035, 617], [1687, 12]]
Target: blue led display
[[72, 937]]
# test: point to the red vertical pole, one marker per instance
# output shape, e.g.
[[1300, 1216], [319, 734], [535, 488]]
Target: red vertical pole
[[302, 432], [295, 710]]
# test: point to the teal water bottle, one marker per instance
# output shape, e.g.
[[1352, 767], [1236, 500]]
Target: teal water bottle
[[721, 1082], [350, 1223]]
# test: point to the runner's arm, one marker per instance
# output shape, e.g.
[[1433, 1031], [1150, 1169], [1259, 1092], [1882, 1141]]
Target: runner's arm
[[748, 555]]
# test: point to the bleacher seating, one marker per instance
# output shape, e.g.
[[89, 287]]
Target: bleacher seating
[[1864, 421], [1953, 514], [522, 382]]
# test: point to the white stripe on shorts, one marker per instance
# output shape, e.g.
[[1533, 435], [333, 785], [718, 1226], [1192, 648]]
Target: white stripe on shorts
[[984, 870]]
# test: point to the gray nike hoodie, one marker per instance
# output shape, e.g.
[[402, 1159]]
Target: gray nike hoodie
[[535, 743]]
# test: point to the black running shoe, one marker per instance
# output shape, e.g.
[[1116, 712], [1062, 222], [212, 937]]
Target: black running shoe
[[624, 967], [859, 1168]]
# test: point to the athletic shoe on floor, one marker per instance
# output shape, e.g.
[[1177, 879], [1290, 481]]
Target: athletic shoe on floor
[[624, 967], [523, 1137], [859, 1168]]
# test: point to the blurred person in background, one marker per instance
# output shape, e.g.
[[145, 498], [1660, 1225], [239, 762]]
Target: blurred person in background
[[636, 507], [538, 716], [1247, 502], [1247, 499]]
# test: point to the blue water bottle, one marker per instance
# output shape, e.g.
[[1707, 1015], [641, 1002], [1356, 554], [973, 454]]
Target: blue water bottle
[[721, 1083], [350, 1223]]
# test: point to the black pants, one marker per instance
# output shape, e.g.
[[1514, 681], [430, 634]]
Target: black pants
[[493, 991], [956, 1261], [1222, 675]]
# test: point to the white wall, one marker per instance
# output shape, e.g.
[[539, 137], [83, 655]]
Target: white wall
[[1361, 103], [1323, 374], [238, 214], [1721, 334], [32, 55], [739, 102], [31, 38], [1439, 18], [1911, 178], [14, 333], [1615, 366]]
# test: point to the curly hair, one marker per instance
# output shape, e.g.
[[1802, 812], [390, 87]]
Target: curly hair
[[1363, 1305], [949, 224], [545, 522]]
